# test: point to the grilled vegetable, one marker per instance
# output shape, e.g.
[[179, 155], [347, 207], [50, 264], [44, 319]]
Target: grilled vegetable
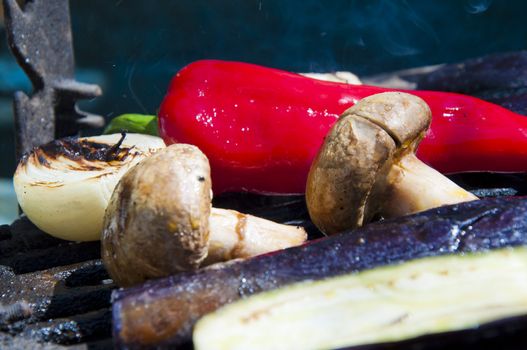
[[261, 127], [336, 77], [64, 186], [367, 166], [431, 295], [159, 221], [164, 311]]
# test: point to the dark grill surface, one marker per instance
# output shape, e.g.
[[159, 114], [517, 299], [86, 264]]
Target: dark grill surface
[[56, 294], [65, 286]]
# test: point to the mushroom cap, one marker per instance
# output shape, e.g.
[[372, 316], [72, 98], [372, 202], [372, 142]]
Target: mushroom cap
[[157, 221], [346, 180]]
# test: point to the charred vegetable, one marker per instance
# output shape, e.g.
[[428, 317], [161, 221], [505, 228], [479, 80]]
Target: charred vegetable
[[164, 311], [64, 186], [367, 166], [159, 221], [431, 295]]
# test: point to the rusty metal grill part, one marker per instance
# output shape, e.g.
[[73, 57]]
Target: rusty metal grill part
[[39, 35]]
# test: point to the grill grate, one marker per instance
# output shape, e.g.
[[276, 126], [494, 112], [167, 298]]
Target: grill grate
[[65, 285], [68, 289]]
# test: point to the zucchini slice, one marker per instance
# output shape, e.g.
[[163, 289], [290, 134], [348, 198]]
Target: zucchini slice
[[387, 304]]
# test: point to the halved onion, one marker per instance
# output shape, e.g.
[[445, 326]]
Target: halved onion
[[64, 186]]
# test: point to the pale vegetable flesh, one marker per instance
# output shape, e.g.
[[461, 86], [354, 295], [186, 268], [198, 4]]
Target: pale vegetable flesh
[[64, 188], [430, 295]]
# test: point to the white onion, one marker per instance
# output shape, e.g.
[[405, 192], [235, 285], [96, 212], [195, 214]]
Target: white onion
[[335, 77], [64, 189]]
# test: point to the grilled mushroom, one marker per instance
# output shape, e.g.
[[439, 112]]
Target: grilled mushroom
[[64, 186], [159, 221], [367, 166]]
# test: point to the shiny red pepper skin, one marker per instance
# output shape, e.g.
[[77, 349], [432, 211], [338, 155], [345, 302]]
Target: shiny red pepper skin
[[261, 127]]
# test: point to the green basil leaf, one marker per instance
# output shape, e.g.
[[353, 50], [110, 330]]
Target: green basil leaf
[[133, 123]]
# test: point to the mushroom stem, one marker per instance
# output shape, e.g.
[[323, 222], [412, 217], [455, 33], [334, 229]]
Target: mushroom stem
[[413, 186], [159, 221], [235, 235], [367, 166]]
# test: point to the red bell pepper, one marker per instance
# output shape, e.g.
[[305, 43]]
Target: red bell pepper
[[261, 127]]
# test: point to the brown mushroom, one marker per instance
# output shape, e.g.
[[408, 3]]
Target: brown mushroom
[[367, 166], [159, 221]]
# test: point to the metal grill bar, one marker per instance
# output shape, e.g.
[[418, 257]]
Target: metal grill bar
[[64, 283]]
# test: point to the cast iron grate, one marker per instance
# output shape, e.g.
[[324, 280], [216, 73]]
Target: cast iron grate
[[65, 286]]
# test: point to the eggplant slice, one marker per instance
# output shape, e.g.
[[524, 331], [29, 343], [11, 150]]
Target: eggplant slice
[[163, 312], [430, 295]]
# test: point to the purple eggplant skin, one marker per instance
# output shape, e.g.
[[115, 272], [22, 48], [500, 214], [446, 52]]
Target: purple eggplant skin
[[162, 312], [500, 78]]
